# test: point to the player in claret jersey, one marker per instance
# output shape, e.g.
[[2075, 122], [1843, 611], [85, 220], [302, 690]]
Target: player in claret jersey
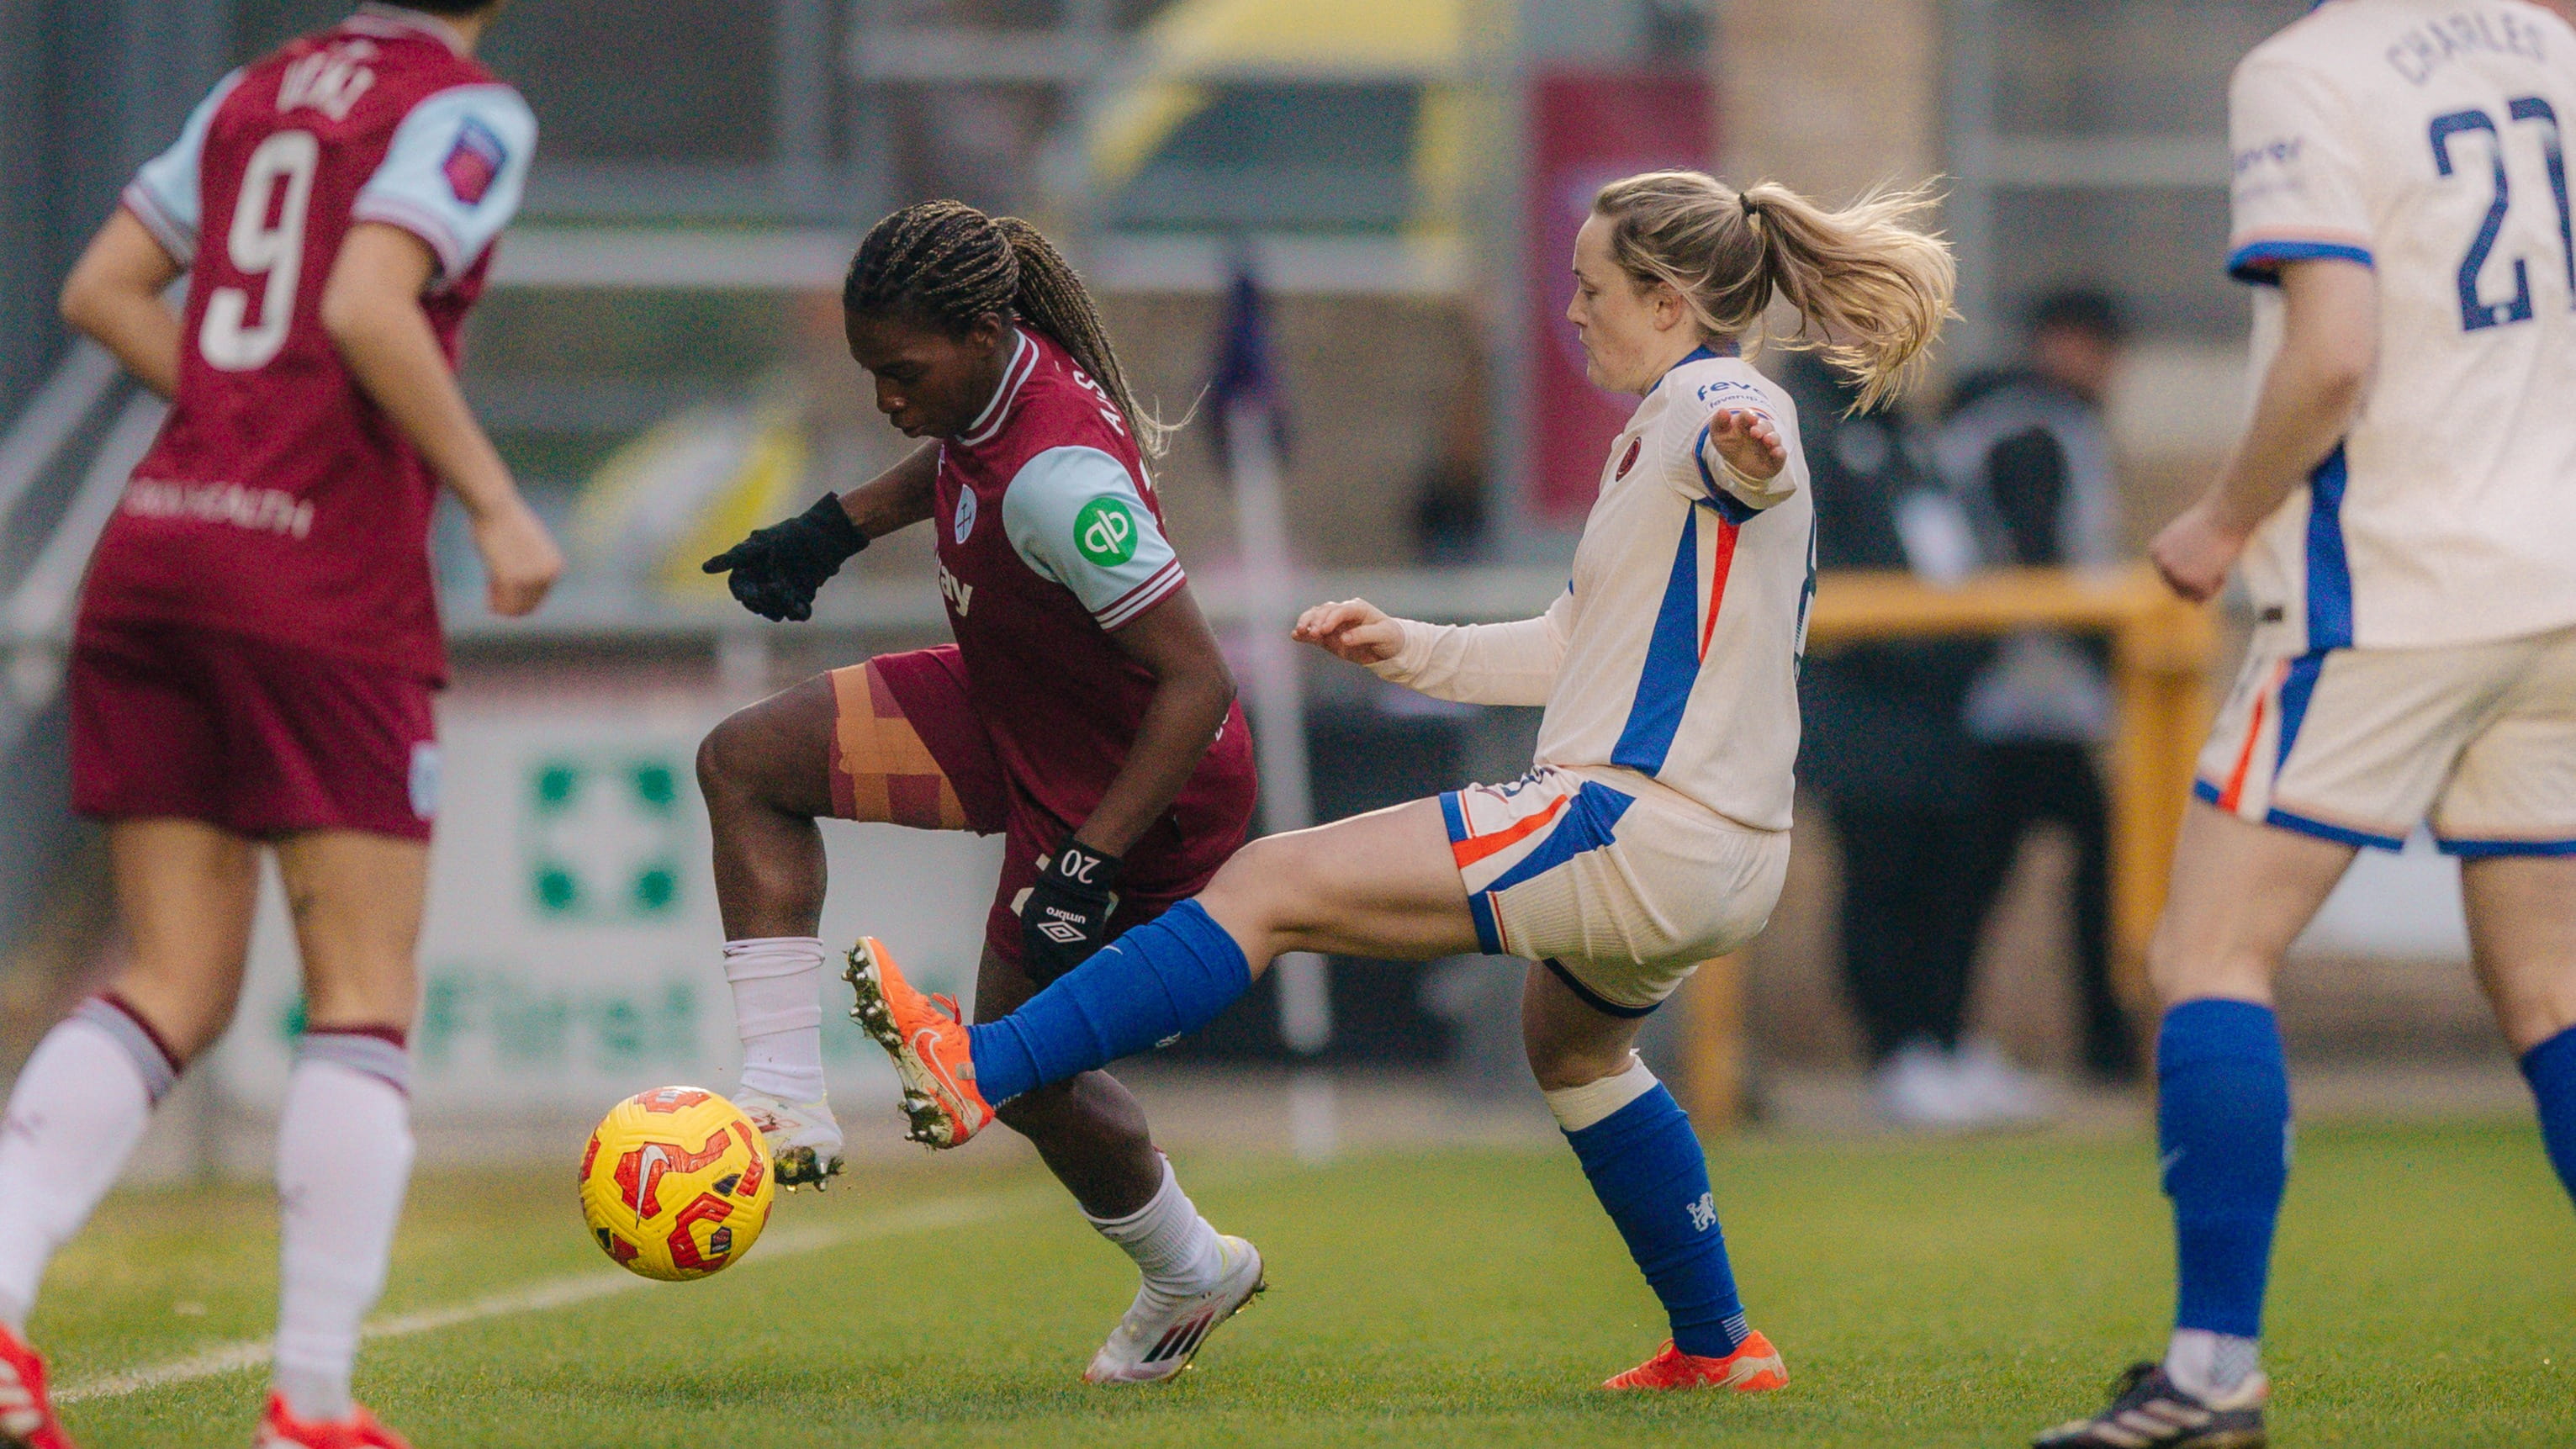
[[258, 642], [1652, 832], [1084, 714]]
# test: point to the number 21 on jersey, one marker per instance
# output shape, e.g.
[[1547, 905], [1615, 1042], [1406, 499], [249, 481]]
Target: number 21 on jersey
[[2525, 114], [266, 242]]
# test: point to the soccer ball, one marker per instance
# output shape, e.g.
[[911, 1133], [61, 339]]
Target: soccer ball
[[675, 1183]]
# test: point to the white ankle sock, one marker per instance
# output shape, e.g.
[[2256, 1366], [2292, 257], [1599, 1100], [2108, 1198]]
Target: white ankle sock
[[78, 1109], [1595, 1102], [774, 981], [1175, 1248], [2210, 1365], [344, 1153]]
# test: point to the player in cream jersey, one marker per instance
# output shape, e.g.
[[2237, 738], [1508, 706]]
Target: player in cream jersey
[[1652, 833], [2403, 505], [1669, 669], [2425, 141]]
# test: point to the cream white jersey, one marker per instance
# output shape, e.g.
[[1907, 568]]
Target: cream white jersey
[[1670, 663], [2426, 139]]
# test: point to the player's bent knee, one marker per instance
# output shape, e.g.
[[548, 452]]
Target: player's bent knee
[[1274, 882]]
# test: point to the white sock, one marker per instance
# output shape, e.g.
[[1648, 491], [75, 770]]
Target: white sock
[[343, 1160], [1175, 1248], [2210, 1365], [78, 1109], [1595, 1102], [774, 981]]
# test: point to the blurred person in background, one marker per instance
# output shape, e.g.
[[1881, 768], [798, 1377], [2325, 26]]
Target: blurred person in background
[[1451, 517], [1887, 749], [2029, 447], [258, 643]]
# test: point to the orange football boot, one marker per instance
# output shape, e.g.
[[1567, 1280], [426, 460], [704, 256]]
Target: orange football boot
[[928, 1043], [26, 1416], [280, 1429], [1754, 1368]]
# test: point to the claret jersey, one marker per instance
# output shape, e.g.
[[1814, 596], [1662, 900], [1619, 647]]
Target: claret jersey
[[279, 500], [1673, 653], [1049, 539], [2427, 140]]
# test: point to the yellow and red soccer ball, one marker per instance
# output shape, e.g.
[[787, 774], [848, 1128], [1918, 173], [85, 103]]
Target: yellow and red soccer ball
[[675, 1184]]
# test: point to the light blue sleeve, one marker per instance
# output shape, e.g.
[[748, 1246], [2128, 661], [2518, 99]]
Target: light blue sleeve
[[455, 172], [164, 193], [1074, 517]]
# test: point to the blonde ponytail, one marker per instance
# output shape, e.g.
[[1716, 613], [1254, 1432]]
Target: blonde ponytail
[[1870, 286]]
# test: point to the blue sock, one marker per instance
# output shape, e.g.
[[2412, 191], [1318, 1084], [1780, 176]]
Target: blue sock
[[1166, 978], [2551, 1069], [2223, 1122], [1647, 1169]]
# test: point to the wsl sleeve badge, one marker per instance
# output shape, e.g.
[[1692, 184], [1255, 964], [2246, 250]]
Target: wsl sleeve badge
[[675, 1184]]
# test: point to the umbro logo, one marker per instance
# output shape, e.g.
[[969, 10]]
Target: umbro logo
[[1063, 933]]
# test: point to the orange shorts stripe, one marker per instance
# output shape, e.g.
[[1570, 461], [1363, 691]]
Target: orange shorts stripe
[[881, 769]]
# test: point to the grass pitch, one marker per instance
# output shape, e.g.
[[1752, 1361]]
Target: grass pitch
[[1960, 1294]]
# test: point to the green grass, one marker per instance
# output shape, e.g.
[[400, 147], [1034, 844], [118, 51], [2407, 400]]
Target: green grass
[[1923, 1296]]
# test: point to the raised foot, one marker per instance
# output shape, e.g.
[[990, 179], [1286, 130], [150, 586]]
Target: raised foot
[[932, 1053]]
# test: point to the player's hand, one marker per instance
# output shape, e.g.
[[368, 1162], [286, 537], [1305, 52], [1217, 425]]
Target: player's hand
[[1749, 442], [1353, 629], [776, 571], [1065, 916], [520, 560], [2195, 551]]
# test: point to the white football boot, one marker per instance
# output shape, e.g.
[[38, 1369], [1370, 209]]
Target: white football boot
[[1161, 1333], [804, 1138]]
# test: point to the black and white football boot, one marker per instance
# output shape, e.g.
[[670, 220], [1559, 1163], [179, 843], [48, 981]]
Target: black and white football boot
[[2150, 1411]]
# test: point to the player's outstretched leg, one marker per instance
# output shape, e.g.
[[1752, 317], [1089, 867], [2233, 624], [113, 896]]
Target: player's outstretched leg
[[1645, 1165], [1166, 978]]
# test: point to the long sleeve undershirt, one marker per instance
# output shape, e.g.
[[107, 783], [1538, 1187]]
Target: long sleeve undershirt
[[1514, 663]]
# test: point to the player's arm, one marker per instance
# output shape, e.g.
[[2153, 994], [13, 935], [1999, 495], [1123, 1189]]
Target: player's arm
[[1513, 663], [115, 296], [371, 308], [2329, 345], [1193, 689], [1064, 916], [776, 572]]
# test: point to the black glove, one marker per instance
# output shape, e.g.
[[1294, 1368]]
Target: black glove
[[1066, 915], [778, 568]]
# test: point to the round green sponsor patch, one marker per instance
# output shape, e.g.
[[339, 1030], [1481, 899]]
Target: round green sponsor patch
[[1105, 531]]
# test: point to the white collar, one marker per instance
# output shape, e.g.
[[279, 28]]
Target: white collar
[[997, 410], [403, 17]]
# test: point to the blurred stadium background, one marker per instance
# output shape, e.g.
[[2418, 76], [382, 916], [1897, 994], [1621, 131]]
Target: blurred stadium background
[[1397, 182]]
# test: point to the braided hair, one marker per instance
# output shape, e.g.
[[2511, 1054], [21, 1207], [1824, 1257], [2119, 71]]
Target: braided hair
[[948, 264]]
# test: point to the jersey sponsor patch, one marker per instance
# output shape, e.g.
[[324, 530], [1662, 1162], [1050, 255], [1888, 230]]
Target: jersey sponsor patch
[[1105, 532], [474, 162]]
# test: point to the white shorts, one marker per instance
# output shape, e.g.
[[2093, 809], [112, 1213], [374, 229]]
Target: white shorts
[[2363, 745], [1622, 895]]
